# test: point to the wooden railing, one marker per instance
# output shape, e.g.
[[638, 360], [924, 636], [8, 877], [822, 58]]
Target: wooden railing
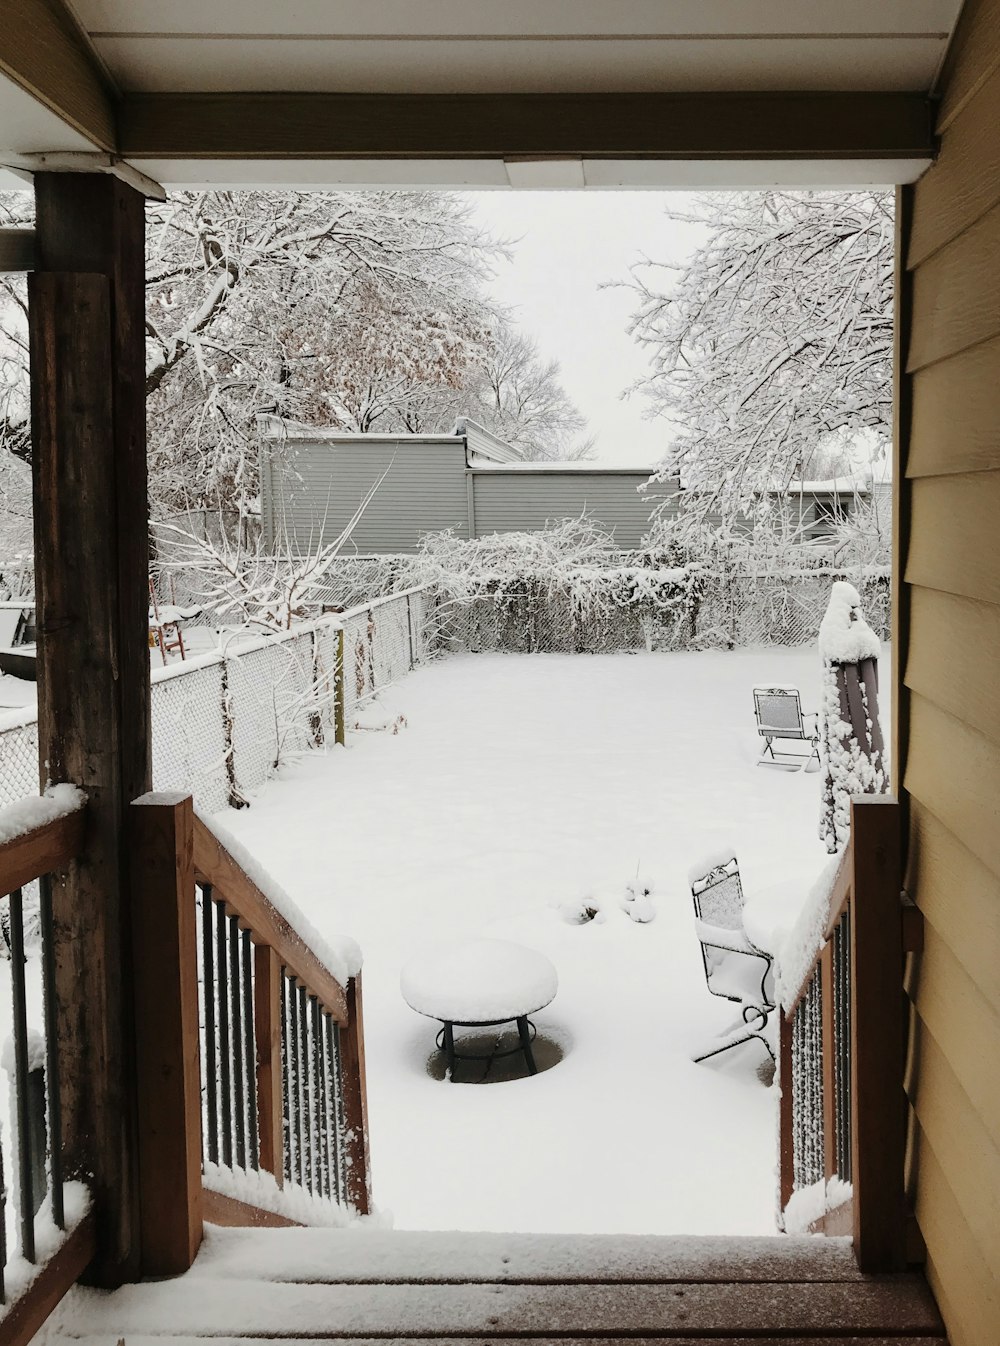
[[250, 1051], [38, 1270], [842, 1046]]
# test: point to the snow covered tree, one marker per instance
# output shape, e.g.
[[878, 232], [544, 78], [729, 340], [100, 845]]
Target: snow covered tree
[[519, 397], [772, 345]]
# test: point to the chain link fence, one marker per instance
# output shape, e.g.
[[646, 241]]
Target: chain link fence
[[223, 722], [687, 611]]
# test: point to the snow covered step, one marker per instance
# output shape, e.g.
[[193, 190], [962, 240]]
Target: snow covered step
[[249, 1310], [387, 1256]]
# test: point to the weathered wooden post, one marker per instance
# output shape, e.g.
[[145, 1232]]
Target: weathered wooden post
[[86, 323]]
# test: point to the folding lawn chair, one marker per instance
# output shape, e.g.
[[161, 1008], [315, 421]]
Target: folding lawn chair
[[735, 968], [779, 714]]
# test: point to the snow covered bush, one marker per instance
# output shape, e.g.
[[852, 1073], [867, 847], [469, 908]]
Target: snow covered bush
[[853, 750]]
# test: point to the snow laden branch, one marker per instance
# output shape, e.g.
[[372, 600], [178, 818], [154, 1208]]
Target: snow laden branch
[[771, 346], [250, 584]]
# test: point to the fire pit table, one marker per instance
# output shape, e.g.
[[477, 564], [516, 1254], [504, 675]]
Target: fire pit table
[[480, 984]]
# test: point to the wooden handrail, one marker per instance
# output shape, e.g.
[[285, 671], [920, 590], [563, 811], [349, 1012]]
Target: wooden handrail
[[28, 1313], [173, 850], [839, 898], [214, 865], [42, 850]]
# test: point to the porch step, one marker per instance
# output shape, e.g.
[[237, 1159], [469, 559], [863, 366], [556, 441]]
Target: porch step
[[335, 1286]]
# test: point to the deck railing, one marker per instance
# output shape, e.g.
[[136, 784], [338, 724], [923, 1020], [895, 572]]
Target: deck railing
[[842, 1047], [250, 1050], [53, 1239]]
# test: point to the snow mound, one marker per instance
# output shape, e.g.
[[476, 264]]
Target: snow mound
[[57, 802], [844, 635], [341, 957], [479, 981], [806, 937]]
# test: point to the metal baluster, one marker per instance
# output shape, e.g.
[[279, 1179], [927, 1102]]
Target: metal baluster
[[211, 1055], [294, 1072], [21, 1076], [286, 1088], [341, 1125], [842, 1028], [222, 977], [307, 1153], [250, 1050], [317, 1097], [53, 1094], [236, 1001], [334, 1105], [318, 1033]]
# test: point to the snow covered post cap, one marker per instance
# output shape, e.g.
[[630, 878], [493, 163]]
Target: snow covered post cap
[[844, 635]]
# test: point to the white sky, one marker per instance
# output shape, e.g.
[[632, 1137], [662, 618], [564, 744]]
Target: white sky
[[564, 245]]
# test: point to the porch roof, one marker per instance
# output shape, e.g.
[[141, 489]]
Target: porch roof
[[462, 92]]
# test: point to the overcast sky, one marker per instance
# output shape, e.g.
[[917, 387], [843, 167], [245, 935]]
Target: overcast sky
[[565, 244]]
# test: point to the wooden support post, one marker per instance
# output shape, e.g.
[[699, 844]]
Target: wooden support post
[[352, 1055], [166, 1028], [877, 1059], [786, 1114], [339, 710], [267, 1033], [86, 325]]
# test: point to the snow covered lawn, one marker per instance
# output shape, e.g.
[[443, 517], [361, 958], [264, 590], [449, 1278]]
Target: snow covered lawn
[[522, 784]]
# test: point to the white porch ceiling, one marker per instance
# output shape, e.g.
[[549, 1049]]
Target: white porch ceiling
[[520, 46]]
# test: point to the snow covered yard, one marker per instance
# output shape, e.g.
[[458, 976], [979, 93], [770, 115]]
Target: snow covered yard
[[522, 784]]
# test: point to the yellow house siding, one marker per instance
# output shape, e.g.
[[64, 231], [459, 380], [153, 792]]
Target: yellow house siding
[[949, 674]]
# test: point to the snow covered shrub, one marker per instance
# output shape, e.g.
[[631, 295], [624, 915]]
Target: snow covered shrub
[[560, 588], [853, 750]]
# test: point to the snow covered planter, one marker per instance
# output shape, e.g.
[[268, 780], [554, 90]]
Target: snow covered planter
[[852, 746]]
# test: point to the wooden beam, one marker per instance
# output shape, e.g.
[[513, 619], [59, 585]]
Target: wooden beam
[[609, 125], [878, 1132], [166, 1029], [27, 1314], [44, 850], [86, 325], [234, 1214], [213, 864], [17, 250], [45, 53]]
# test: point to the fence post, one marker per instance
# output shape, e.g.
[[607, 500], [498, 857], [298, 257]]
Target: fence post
[[164, 945], [877, 1019], [339, 709], [352, 1048], [267, 1035]]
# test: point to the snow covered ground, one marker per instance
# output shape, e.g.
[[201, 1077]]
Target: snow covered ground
[[521, 784]]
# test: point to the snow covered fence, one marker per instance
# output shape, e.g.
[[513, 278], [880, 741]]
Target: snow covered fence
[[224, 721], [630, 607]]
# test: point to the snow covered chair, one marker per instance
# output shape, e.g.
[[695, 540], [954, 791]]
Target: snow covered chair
[[735, 968], [780, 715]]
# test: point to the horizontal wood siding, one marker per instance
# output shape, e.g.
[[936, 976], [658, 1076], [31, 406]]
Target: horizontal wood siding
[[951, 747], [320, 486], [520, 501]]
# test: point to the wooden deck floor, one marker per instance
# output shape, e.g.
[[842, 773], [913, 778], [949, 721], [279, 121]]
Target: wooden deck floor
[[359, 1286]]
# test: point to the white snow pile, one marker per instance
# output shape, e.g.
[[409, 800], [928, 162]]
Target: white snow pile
[[806, 938], [716, 858], [341, 956], [810, 1204], [18, 1273], [58, 801], [375, 716], [844, 635], [36, 1053], [292, 1201], [479, 981]]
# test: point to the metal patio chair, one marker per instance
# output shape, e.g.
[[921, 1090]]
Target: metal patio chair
[[735, 968], [779, 714]]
